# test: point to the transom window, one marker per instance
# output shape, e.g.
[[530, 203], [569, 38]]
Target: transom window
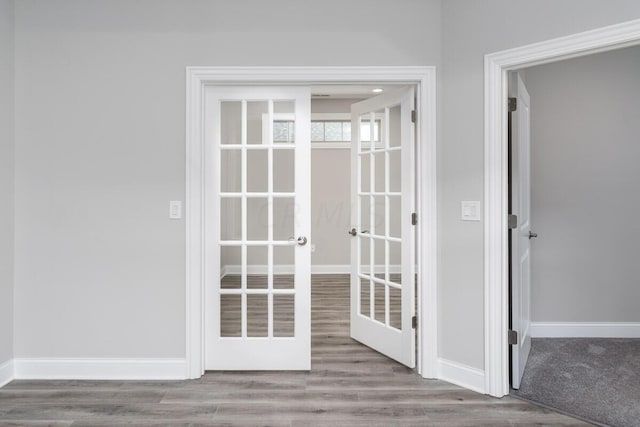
[[331, 130]]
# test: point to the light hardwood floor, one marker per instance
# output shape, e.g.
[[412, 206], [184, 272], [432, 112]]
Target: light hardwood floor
[[348, 385]]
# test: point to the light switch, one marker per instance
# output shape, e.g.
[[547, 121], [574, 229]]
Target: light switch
[[470, 210], [175, 209]]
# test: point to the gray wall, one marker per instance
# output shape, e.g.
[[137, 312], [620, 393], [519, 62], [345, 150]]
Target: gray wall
[[585, 152], [99, 268], [100, 95], [6, 180], [330, 195], [472, 29]]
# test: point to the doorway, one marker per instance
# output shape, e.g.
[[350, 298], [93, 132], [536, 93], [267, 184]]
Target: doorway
[[259, 213], [581, 323], [198, 82], [497, 67]]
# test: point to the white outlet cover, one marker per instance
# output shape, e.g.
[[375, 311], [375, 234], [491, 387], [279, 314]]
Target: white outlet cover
[[470, 210]]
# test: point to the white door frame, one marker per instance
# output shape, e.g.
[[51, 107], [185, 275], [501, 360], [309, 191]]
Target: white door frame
[[496, 280], [425, 80]]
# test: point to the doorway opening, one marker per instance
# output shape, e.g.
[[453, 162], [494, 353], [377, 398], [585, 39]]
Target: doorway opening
[[575, 300], [279, 129], [497, 67], [263, 221]]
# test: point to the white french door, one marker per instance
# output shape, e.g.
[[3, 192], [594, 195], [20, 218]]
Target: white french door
[[257, 225], [520, 236], [383, 235]]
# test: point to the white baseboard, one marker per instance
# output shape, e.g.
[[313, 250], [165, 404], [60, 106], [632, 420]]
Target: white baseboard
[[7, 372], [462, 375], [315, 269], [100, 369], [585, 330]]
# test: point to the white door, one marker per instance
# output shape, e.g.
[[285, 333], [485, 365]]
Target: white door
[[257, 222], [383, 237], [520, 205]]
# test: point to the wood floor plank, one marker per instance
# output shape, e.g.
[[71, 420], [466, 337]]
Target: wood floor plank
[[348, 385]]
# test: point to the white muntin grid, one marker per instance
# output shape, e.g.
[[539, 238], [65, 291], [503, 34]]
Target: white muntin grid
[[371, 234], [244, 195]]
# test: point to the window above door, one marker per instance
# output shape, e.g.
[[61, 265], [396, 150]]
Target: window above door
[[328, 130]]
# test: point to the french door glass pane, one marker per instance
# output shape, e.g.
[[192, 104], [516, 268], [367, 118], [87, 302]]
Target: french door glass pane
[[365, 213], [379, 248], [395, 134], [365, 292], [365, 251], [283, 171], [395, 254], [255, 112], [257, 261], [257, 218], [284, 210], [283, 315], [231, 171], [230, 315], [395, 170], [395, 209], [257, 171], [380, 171], [365, 178], [257, 315], [379, 302], [230, 122], [231, 218], [380, 217], [230, 261], [395, 308]]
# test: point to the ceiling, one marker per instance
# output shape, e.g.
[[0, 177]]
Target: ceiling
[[349, 91]]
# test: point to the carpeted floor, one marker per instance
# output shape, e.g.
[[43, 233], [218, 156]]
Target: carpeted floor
[[594, 378]]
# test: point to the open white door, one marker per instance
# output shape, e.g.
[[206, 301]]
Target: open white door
[[383, 206], [520, 227], [257, 224]]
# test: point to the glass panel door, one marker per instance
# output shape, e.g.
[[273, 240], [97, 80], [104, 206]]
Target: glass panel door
[[383, 244], [258, 223]]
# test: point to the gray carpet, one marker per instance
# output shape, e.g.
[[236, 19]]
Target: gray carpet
[[594, 378]]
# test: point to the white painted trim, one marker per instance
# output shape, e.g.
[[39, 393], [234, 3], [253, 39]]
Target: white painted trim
[[462, 375], [197, 78], [496, 66], [99, 369], [7, 372], [585, 330]]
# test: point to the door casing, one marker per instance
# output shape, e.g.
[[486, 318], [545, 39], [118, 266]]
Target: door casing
[[200, 77], [496, 247]]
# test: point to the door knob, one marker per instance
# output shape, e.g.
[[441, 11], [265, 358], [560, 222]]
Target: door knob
[[354, 232], [302, 240], [532, 235]]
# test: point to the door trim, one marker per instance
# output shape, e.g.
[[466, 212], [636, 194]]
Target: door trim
[[197, 78], [496, 280]]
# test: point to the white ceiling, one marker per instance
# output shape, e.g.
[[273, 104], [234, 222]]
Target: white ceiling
[[349, 91]]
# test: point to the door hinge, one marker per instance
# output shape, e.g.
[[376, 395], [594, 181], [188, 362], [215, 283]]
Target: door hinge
[[512, 337], [513, 104], [413, 116], [414, 218], [513, 221], [414, 322]]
